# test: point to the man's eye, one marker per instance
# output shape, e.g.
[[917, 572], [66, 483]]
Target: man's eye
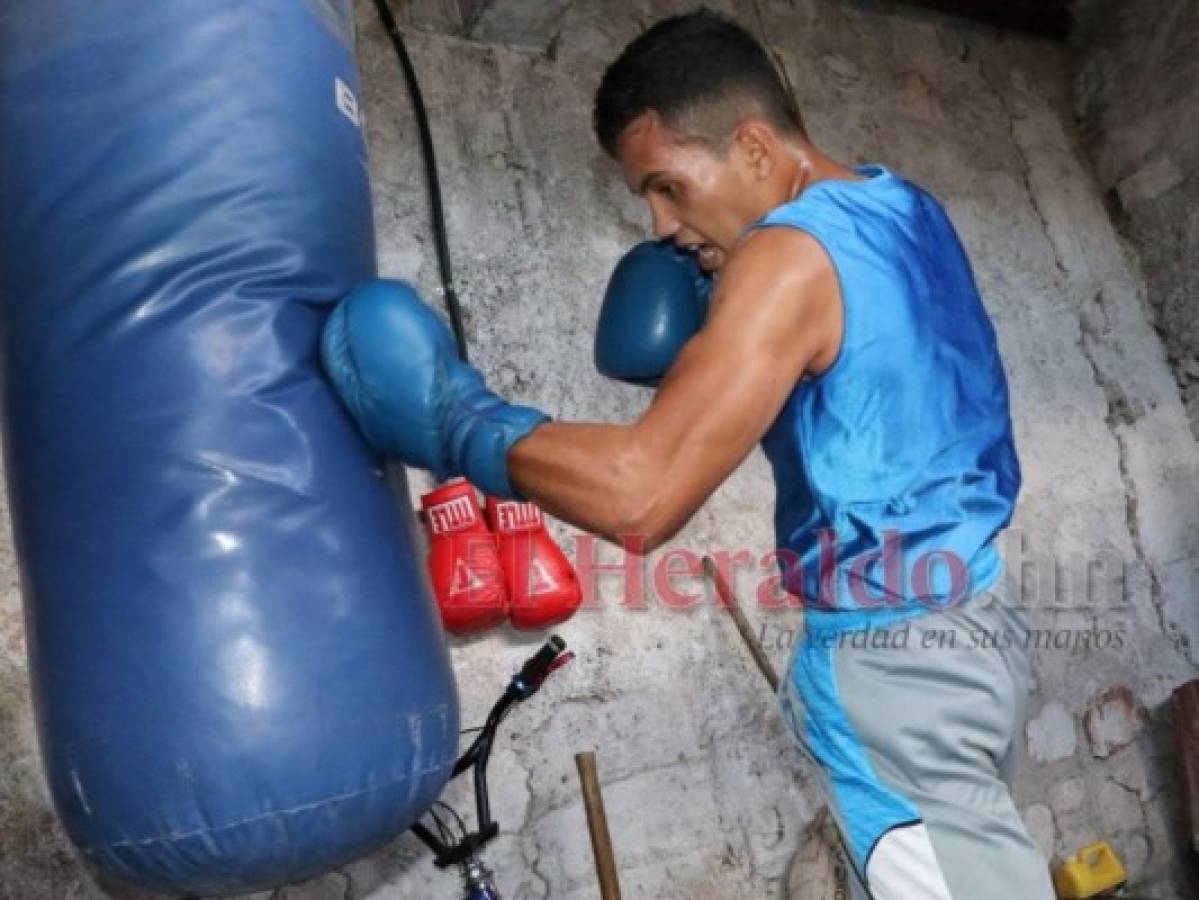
[[667, 190]]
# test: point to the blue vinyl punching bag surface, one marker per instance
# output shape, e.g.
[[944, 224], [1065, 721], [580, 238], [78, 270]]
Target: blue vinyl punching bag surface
[[240, 679]]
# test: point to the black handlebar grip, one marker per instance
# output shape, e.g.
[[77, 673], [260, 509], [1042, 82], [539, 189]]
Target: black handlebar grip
[[536, 667]]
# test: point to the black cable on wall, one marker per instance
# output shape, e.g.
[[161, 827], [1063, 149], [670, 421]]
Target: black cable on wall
[[440, 241]]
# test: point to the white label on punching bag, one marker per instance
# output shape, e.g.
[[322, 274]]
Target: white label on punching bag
[[346, 101]]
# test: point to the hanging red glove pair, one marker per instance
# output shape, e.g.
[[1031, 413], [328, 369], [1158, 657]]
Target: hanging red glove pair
[[507, 567]]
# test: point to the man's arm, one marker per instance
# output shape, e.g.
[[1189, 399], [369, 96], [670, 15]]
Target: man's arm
[[775, 316]]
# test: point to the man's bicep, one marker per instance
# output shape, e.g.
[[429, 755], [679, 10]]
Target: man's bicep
[[730, 389], [769, 321], [775, 313]]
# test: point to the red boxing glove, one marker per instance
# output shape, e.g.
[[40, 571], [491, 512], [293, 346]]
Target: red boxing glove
[[543, 589], [464, 563]]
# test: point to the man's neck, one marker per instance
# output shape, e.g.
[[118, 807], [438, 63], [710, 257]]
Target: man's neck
[[812, 166]]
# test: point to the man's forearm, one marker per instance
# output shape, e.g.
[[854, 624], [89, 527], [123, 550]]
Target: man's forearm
[[598, 477]]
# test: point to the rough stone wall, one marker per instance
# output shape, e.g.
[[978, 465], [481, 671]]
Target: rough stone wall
[[705, 796], [1137, 96]]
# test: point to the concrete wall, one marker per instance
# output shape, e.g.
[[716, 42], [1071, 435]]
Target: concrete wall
[[1137, 96], [705, 796]]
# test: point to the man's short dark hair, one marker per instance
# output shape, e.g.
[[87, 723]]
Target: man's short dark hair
[[686, 68]]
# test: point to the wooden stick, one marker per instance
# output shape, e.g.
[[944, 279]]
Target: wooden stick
[[597, 824], [1186, 726], [729, 602]]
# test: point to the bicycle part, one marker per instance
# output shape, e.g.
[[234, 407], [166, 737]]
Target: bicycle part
[[525, 683]]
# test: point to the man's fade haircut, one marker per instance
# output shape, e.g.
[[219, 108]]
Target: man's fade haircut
[[698, 72]]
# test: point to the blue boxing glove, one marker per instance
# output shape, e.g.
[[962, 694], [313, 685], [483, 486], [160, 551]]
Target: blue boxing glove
[[396, 368], [657, 298]]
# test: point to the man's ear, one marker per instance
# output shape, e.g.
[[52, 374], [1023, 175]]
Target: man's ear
[[757, 145]]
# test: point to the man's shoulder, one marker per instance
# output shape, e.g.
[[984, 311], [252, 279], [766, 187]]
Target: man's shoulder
[[781, 253]]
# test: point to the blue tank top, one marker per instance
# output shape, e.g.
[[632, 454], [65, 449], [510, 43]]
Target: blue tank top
[[896, 467]]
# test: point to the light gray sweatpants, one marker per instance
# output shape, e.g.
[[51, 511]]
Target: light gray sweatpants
[[912, 727]]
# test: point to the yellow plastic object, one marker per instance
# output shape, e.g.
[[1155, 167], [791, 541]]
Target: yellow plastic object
[[1089, 872]]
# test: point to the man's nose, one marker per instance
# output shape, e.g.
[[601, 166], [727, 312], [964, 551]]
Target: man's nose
[[665, 224]]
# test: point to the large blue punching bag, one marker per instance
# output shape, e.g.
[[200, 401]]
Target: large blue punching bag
[[239, 676]]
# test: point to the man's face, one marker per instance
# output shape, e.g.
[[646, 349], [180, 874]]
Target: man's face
[[698, 199]]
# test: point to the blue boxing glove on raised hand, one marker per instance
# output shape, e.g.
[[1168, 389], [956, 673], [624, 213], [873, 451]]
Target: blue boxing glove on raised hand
[[396, 368], [657, 298]]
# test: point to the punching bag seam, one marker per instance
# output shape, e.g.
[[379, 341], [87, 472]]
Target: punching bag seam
[[291, 811]]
